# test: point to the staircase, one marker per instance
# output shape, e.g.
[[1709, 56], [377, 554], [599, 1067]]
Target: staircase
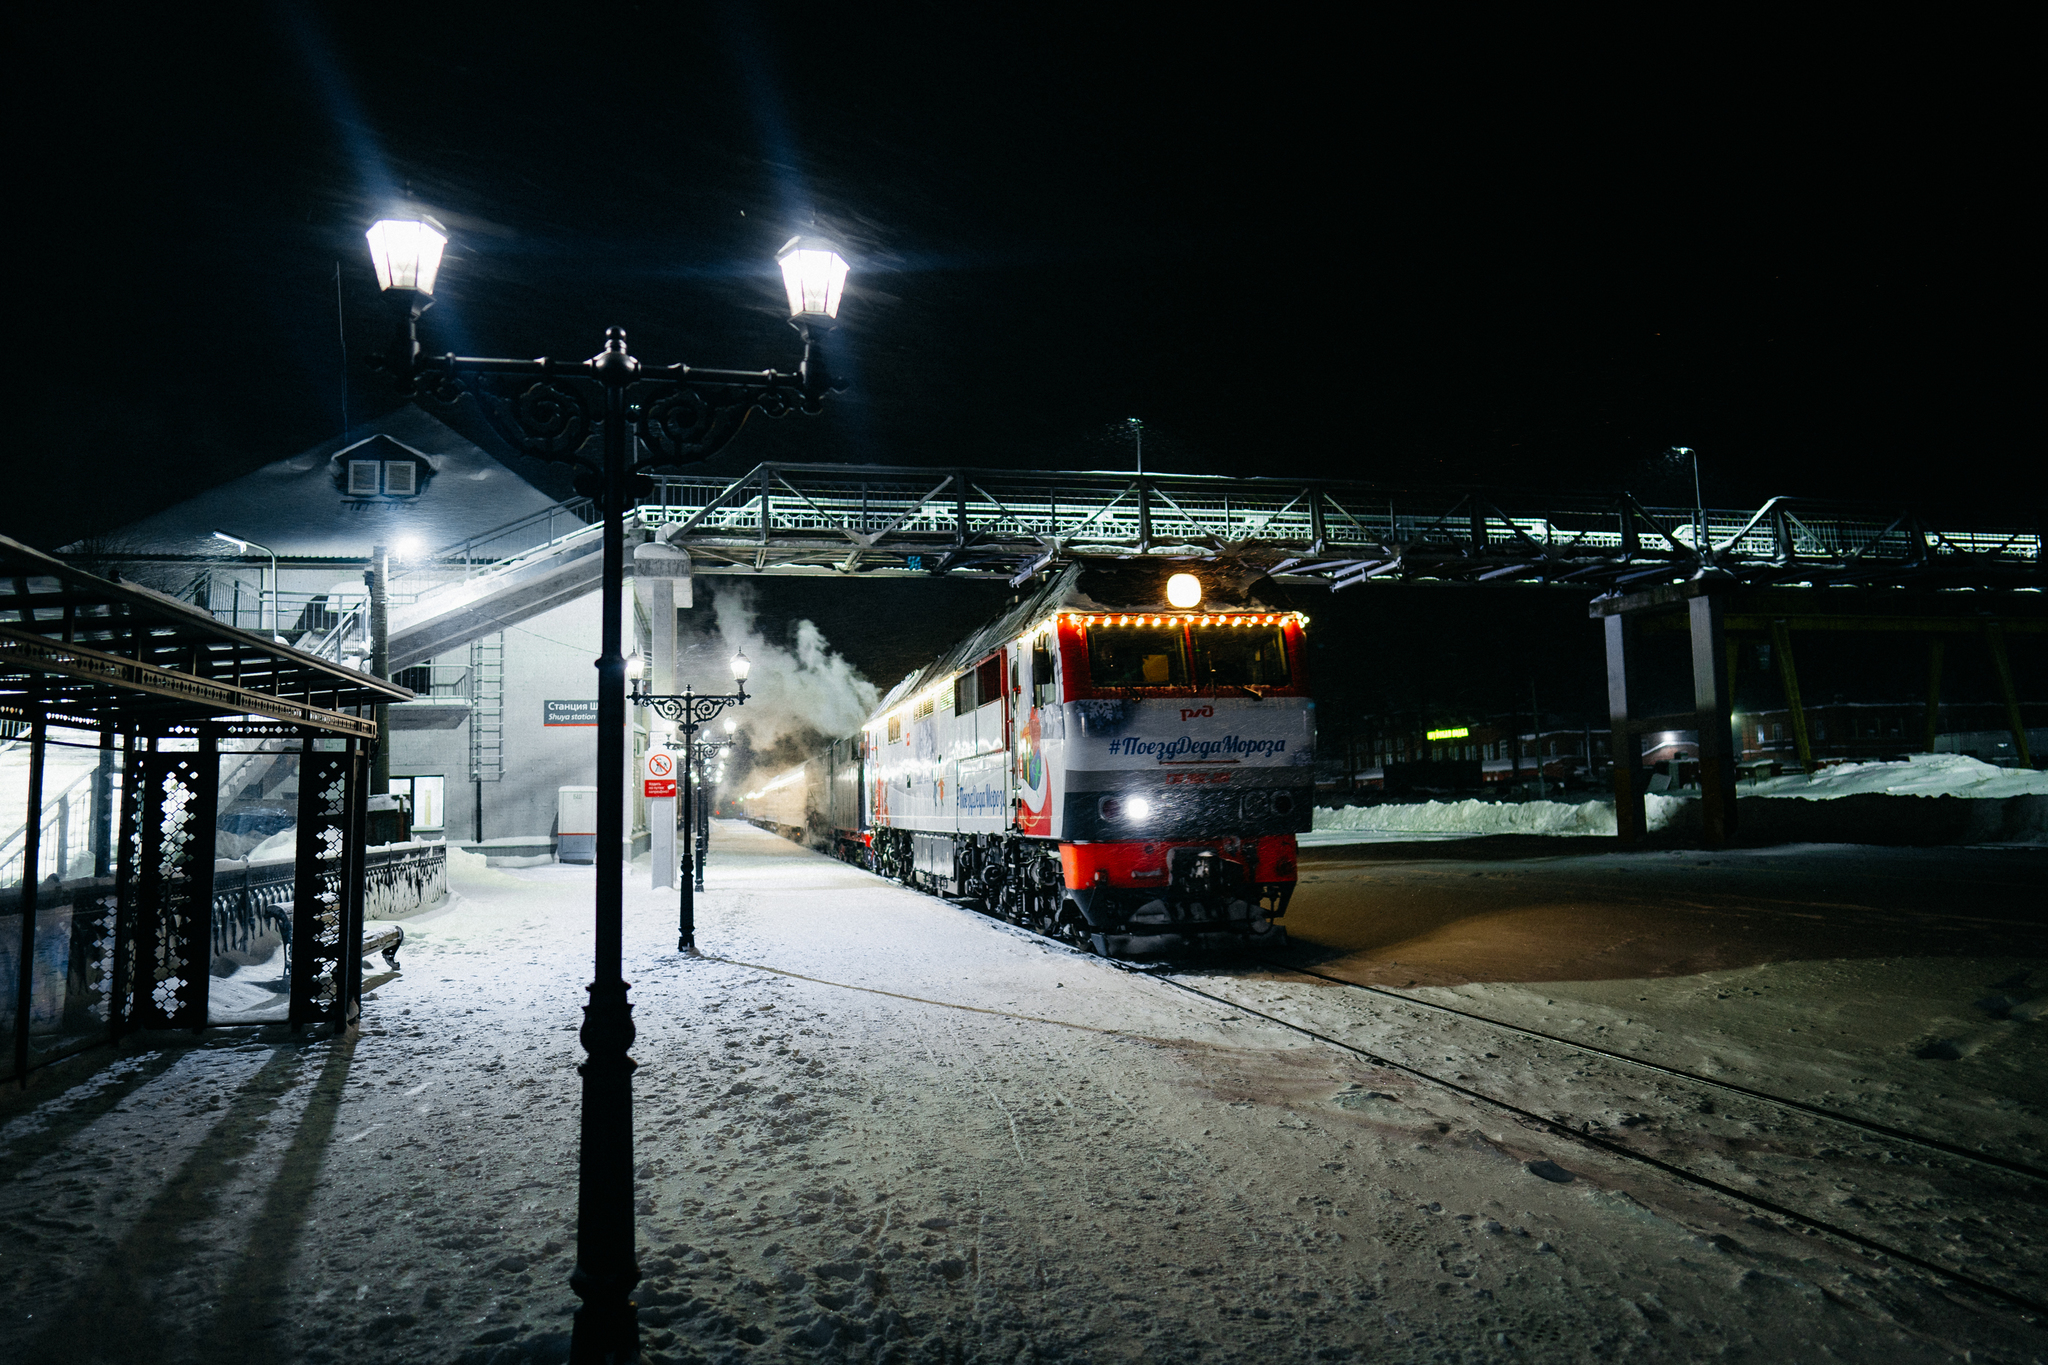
[[541, 568]]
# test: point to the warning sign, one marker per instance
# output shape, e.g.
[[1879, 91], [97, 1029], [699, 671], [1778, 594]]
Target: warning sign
[[660, 774]]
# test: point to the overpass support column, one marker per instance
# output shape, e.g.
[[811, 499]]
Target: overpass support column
[[1994, 636], [1795, 705], [1624, 747], [1712, 720], [1934, 653]]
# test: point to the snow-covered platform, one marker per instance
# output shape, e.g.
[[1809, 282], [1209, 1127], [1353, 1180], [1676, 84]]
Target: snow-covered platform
[[874, 1126]]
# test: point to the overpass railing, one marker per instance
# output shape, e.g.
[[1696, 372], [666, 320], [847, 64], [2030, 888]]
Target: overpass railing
[[880, 518]]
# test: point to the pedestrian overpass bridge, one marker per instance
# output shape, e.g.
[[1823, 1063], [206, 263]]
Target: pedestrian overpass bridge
[[860, 521]]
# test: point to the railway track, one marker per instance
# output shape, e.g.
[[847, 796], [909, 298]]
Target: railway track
[[1563, 1128], [1818, 1111]]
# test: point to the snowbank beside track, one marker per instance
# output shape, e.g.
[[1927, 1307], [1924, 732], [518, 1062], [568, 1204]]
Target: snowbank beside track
[[1925, 799]]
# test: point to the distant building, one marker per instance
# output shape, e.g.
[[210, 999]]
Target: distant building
[[1453, 754], [1481, 754]]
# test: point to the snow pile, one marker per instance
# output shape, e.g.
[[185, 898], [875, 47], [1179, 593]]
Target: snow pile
[[1866, 817], [1919, 775], [1491, 817]]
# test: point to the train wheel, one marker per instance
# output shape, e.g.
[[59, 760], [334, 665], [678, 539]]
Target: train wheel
[[1071, 929]]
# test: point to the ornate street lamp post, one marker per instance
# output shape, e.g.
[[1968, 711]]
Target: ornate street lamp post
[[551, 409], [703, 751], [688, 710]]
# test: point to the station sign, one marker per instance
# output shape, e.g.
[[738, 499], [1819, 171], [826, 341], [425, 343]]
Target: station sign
[[658, 774], [568, 713], [1455, 732]]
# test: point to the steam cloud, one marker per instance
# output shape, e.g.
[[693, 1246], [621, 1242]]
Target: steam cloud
[[799, 694]]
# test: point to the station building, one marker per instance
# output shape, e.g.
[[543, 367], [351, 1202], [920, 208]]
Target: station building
[[507, 690]]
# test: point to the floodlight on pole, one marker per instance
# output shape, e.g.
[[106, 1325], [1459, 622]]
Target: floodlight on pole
[[245, 544]]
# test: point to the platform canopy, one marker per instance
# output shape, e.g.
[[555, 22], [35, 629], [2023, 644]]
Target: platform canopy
[[98, 654]]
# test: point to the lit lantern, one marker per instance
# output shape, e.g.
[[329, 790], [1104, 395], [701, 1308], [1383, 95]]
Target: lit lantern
[[813, 275], [741, 664], [1184, 590], [407, 252]]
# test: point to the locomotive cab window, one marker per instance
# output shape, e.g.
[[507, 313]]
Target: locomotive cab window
[[1240, 656], [1041, 674], [1137, 656]]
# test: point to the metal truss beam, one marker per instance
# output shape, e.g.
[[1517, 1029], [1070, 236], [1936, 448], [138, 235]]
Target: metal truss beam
[[873, 519]]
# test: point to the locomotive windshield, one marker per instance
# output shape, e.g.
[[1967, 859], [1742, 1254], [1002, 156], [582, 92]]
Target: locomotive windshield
[[1137, 656], [1238, 656]]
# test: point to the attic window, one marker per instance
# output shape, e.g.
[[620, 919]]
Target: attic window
[[363, 478], [401, 478]]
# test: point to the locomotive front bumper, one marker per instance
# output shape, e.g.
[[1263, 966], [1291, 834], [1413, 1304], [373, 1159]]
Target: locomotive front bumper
[[1236, 885]]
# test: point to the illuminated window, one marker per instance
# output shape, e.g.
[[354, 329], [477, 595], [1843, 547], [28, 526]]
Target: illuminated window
[[896, 729]]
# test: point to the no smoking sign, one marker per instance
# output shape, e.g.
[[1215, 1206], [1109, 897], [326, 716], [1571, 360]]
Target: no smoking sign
[[660, 774]]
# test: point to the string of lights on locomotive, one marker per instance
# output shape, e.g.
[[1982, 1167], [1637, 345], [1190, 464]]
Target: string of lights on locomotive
[[1126, 753]]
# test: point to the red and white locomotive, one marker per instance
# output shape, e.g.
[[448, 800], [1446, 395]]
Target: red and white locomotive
[[1127, 752]]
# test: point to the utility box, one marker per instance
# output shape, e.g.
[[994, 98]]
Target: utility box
[[391, 820], [576, 824]]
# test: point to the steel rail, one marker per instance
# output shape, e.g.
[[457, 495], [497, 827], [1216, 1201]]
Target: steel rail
[[1619, 1149], [1868, 1125]]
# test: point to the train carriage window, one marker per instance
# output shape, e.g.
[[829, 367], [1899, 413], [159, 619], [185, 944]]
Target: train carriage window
[[988, 679], [896, 729], [1137, 656], [1041, 674], [1240, 656], [963, 694]]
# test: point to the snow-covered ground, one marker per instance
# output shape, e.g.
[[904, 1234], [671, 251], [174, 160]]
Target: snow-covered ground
[[1921, 775], [873, 1126]]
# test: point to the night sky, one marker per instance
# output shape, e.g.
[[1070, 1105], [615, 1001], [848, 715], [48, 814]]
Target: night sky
[[1529, 259], [1513, 258]]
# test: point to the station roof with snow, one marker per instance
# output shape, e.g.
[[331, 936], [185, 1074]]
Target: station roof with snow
[[407, 475]]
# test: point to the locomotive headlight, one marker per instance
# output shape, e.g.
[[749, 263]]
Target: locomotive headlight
[[1184, 590], [1138, 808]]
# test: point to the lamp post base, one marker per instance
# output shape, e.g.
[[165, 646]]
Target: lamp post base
[[607, 1328]]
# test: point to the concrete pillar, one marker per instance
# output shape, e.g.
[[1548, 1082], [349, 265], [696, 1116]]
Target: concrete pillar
[[1625, 749], [661, 579], [1712, 720]]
